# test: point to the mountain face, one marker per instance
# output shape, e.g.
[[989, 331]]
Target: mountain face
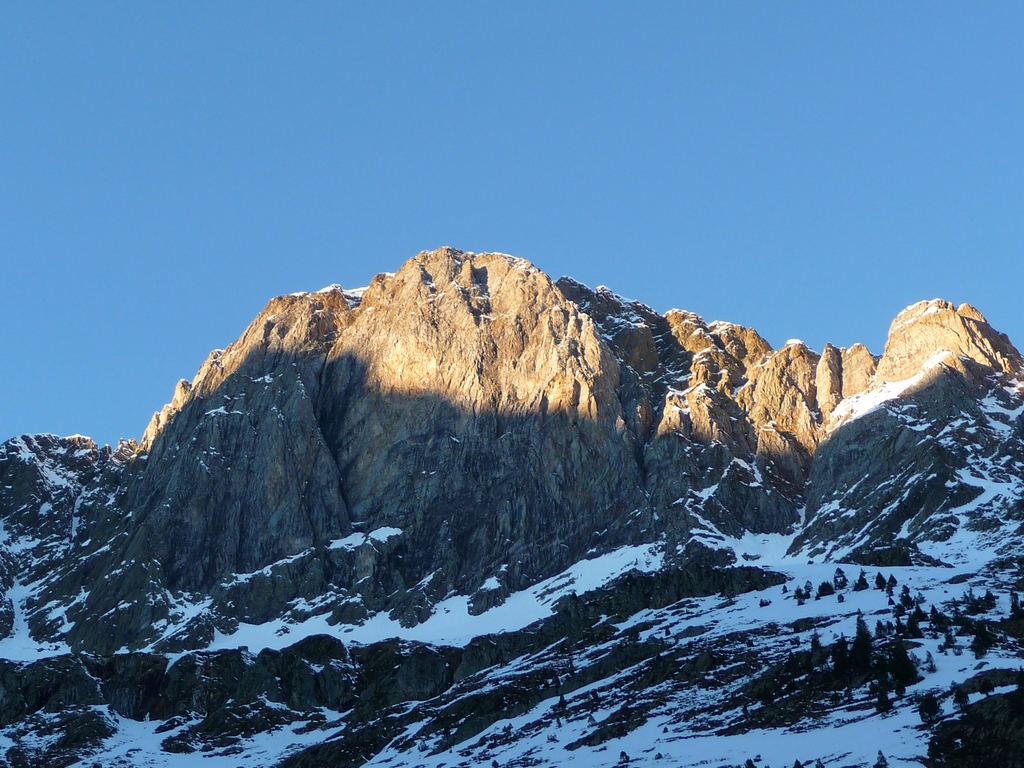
[[468, 492]]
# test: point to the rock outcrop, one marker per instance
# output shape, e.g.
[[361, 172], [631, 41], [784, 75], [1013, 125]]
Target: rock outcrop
[[936, 327], [465, 422], [467, 444]]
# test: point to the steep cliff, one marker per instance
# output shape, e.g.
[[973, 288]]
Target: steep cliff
[[494, 491]]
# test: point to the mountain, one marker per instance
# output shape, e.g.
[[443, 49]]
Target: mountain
[[470, 514]]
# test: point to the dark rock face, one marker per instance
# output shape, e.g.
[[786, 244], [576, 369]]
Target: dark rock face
[[458, 421], [947, 454], [474, 409], [467, 421], [989, 732], [468, 427], [210, 701]]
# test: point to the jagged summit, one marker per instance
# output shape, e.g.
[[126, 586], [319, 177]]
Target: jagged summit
[[468, 454], [933, 327]]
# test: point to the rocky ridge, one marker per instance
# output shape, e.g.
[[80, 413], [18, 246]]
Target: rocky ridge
[[467, 429]]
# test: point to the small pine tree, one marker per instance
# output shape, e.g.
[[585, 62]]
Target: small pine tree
[[929, 708], [880, 581], [839, 580], [882, 701], [881, 762], [914, 630], [906, 599], [816, 649], [841, 661], [960, 697], [929, 664], [824, 590], [949, 639], [901, 666], [983, 640], [1015, 609], [862, 582], [860, 652], [986, 686]]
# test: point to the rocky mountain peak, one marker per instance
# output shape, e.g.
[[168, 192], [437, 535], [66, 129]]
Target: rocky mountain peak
[[385, 520], [930, 328], [485, 331]]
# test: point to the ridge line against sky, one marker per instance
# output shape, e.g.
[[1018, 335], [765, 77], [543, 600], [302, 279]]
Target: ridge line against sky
[[805, 170]]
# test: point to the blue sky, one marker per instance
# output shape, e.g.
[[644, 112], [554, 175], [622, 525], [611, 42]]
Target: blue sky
[[805, 168]]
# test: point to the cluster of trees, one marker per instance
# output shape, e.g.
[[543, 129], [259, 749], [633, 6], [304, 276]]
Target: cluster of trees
[[840, 582], [881, 762], [887, 668], [881, 660], [964, 621]]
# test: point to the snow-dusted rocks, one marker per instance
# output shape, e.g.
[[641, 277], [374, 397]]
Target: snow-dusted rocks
[[469, 514], [929, 327]]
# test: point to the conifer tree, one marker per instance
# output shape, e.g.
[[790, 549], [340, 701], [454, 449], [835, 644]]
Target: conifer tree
[[860, 652], [906, 599], [841, 660], [913, 630], [983, 640], [960, 697], [901, 666], [882, 702], [839, 580], [929, 708], [815, 644]]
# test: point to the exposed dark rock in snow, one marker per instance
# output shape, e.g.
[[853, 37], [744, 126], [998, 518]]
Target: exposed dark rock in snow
[[474, 495]]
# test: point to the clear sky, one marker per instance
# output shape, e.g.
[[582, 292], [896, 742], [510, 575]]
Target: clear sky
[[805, 168]]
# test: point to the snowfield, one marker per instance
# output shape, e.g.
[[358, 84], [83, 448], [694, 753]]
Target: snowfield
[[850, 735]]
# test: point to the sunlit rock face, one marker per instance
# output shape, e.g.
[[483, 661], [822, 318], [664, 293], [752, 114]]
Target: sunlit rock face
[[923, 447], [385, 521], [467, 426], [476, 409], [462, 406], [932, 327]]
